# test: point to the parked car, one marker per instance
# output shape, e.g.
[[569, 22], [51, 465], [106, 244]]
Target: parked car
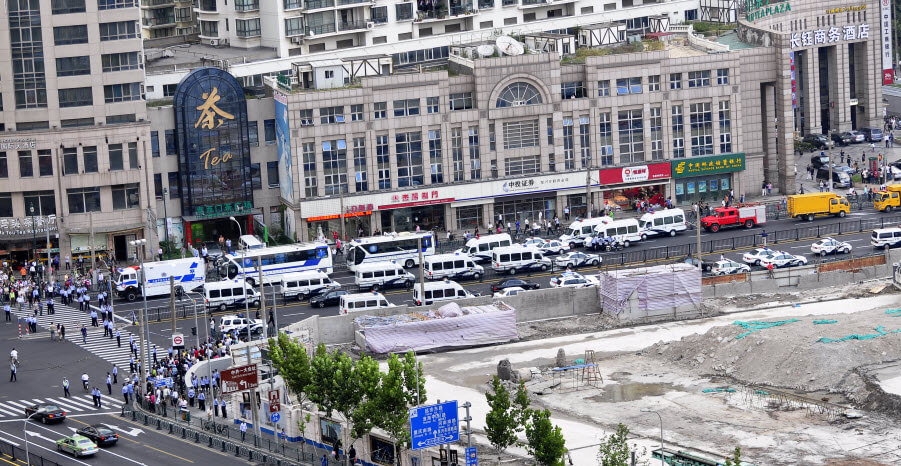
[[553, 247], [727, 267], [533, 242], [830, 246], [842, 139], [330, 298], [77, 445], [783, 259], [753, 257], [99, 434], [512, 291], [45, 413], [820, 141], [819, 161], [856, 136], [577, 259], [514, 282], [573, 280]]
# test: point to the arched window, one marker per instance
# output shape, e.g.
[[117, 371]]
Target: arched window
[[518, 94]]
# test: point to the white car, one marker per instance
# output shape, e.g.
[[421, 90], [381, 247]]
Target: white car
[[512, 291], [573, 280], [753, 257], [857, 136], [232, 323], [577, 259], [783, 259], [727, 267], [533, 242], [553, 247], [830, 246]]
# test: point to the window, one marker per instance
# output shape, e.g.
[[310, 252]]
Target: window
[[572, 90], [114, 4], [408, 147], [272, 174], [699, 78], [725, 118], [44, 202], [247, 27], [174, 188], [66, 35], [518, 94], [118, 30], [82, 200], [656, 126], [628, 86], [155, 143], [701, 129], [331, 115], [457, 153], [269, 131], [75, 122], [654, 83], [675, 81], [379, 14], [604, 88], [678, 132], [27, 57], [403, 11], [475, 160], [26, 168], [519, 134], [158, 186], [6, 205], [125, 196], [61, 7], [75, 97], [70, 161], [522, 165], [309, 169], [4, 167], [73, 66], [585, 141], [122, 92], [169, 90], [361, 184], [631, 136], [253, 134], [605, 139], [121, 62], [170, 142], [247, 5], [356, 112], [45, 163], [569, 154], [89, 153], [256, 181], [306, 117], [334, 164], [722, 76], [431, 104], [379, 110], [550, 131], [292, 4], [133, 155], [383, 161], [461, 101], [435, 156], [294, 27], [115, 157], [408, 107]]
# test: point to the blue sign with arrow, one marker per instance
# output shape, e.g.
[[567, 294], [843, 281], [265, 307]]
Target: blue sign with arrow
[[434, 425], [163, 382], [472, 457], [274, 417]]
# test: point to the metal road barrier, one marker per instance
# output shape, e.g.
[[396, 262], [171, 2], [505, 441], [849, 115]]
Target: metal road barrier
[[17, 455]]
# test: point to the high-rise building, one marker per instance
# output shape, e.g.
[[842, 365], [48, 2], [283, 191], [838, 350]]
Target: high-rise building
[[72, 152], [167, 18]]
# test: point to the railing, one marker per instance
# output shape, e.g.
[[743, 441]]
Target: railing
[[352, 25], [316, 4], [320, 29], [159, 21], [17, 455], [353, 2], [154, 3]]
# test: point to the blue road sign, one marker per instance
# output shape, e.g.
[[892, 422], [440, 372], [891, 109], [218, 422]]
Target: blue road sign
[[472, 457], [274, 417], [434, 425], [163, 382]]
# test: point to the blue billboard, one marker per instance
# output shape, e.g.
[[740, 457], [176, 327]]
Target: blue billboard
[[283, 138]]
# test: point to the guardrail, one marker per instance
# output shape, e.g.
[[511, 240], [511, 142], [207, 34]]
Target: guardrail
[[17, 455]]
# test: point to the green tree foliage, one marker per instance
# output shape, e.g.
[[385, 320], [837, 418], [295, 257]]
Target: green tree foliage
[[545, 440], [292, 362], [402, 386], [736, 458], [521, 409], [614, 449], [501, 420]]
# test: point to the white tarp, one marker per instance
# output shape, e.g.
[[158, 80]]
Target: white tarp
[[658, 287]]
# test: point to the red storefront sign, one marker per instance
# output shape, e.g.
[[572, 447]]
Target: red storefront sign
[[418, 198], [637, 173]]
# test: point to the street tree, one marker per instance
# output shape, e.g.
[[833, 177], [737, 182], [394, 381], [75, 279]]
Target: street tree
[[501, 420], [292, 362], [403, 387], [521, 409], [614, 449], [735, 460], [545, 440]]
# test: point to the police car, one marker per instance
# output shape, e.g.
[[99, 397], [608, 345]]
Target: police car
[[830, 246], [753, 257], [783, 259], [573, 280], [577, 259], [727, 267]]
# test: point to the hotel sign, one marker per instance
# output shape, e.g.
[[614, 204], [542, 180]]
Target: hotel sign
[[700, 166], [830, 36], [17, 143], [845, 9], [762, 8]]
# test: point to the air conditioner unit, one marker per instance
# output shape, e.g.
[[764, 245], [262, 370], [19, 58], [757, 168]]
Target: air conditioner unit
[[214, 42], [297, 40], [370, 25]]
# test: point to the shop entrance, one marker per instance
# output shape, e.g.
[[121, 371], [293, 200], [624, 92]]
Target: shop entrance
[[526, 211], [631, 198], [703, 188], [208, 231], [120, 246], [429, 217]]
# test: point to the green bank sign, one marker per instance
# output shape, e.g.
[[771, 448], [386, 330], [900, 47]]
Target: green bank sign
[[712, 165], [762, 8]]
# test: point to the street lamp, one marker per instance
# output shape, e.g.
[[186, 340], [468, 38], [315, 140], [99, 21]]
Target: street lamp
[[25, 435], [34, 234], [648, 410], [243, 274], [145, 350], [166, 222]]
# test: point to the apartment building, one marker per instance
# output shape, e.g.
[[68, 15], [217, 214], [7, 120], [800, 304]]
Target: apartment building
[[167, 18], [73, 158]]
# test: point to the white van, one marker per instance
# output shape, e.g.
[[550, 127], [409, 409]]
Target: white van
[[362, 302], [456, 266], [663, 222], [480, 248], [384, 274], [577, 232], [250, 242], [229, 293], [515, 259], [885, 238], [439, 291], [302, 285], [233, 323], [625, 230]]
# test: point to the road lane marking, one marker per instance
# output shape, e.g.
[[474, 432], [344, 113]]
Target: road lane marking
[[51, 451], [106, 451]]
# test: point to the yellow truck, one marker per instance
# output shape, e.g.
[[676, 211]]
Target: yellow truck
[[811, 205], [888, 199]]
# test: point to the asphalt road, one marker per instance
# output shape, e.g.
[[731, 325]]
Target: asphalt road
[[43, 366], [294, 311]]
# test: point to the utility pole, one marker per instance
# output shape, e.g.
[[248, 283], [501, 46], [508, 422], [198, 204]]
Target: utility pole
[[341, 199], [49, 263], [588, 187], [829, 145], [262, 301], [172, 302], [91, 223], [698, 232], [467, 419], [274, 313], [421, 274], [253, 401]]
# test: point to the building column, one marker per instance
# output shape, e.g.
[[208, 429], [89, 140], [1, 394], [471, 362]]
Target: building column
[[785, 152], [839, 88], [487, 213], [811, 91]]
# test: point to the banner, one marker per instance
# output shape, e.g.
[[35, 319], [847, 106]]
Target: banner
[[634, 174], [885, 19]]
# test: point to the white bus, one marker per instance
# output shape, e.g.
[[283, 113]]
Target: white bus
[[276, 261], [401, 248]]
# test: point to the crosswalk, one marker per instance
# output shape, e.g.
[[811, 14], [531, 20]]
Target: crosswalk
[[72, 404], [96, 343]]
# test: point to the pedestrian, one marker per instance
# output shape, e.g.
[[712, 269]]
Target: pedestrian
[[62, 332], [323, 461], [216, 407], [244, 431], [222, 405], [191, 397], [763, 189], [118, 339], [8, 311], [873, 146], [115, 373], [94, 392], [125, 392], [201, 401], [12, 372], [84, 334], [109, 384], [352, 453], [99, 402], [66, 393]]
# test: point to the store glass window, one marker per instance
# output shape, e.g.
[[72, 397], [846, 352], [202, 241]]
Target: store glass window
[[155, 143], [701, 129], [45, 163], [70, 161], [457, 153], [115, 157], [334, 164], [253, 134], [525, 210], [469, 218], [272, 174], [631, 136]]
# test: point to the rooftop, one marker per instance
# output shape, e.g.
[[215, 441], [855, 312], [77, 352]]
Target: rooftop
[[733, 41], [189, 56]]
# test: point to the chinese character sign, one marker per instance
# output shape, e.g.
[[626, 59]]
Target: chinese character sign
[[434, 425], [885, 20], [830, 35]]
